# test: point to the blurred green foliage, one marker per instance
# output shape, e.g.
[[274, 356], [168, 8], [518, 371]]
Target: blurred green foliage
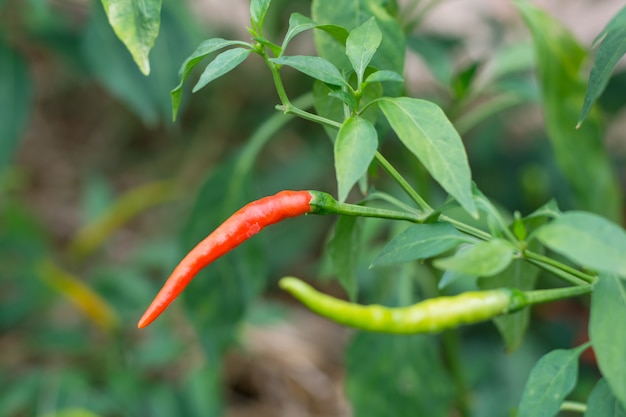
[[57, 361]]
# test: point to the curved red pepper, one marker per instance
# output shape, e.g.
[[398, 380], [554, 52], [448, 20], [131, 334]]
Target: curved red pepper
[[242, 225]]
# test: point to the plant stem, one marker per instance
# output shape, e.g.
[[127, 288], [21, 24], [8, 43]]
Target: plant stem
[[403, 183], [324, 203], [291, 109], [466, 228], [543, 261], [574, 406], [545, 296]]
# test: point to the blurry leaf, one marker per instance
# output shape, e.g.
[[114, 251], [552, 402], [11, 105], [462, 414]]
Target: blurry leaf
[[361, 46], [602, 402], [483, 259], [608, 309], [80, 294], [15, 102], [416, 383], [421, 241], [137, 25], [450, 277], [355, 147], [611, 49], [345, 248], [96, 196], [132, 203], [588, 240], [258, 10], [202, 51], [114, 68], [426, 131], [494, 219], [72, 412], [521, 275], [511, 59], [559, 61], [350, 14], [161, 402], [488, 107], [436, 55], [550, 210], [313, 66], [18, 394], [462, 82], [222, 64], [202, 390], [551, 380], [384, 75]]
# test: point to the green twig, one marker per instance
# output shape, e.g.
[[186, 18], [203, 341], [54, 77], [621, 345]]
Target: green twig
[[574, 406], [324, 203], [555, 294], [544, 261], [403, 183]]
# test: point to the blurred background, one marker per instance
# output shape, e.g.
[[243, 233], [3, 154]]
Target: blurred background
[[101, 193]]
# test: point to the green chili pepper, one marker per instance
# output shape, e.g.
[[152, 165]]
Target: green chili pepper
[[430, 316]]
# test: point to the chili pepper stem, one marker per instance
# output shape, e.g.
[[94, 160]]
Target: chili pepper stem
[[565, 268], [544, 296], [324, 203]]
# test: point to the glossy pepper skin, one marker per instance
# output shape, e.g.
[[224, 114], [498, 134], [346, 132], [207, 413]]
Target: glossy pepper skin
[[243, 224]]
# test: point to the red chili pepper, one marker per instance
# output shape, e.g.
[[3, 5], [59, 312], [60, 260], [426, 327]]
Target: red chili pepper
[[242, 225]]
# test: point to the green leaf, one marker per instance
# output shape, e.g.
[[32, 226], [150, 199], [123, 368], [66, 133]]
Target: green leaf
[[361, 46], [346, 98], [384, 75], [587, 239], [428, 134], [297, 24], [560, 61], [222, 64], [608, 309], [15, 102], [329, 103], [421, 241], [549, 210], [351, 14], [483, 259], [114, 68], [205, 48], [612, 48], [313, 66], [355, 147], [551, 380], [415, 380], [258, 10], [602, 402], [137, 25], [495, 220], [521, 275], [344, 249]]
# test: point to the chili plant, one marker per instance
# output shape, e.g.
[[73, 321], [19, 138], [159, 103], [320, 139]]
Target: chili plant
[[358, 98]]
